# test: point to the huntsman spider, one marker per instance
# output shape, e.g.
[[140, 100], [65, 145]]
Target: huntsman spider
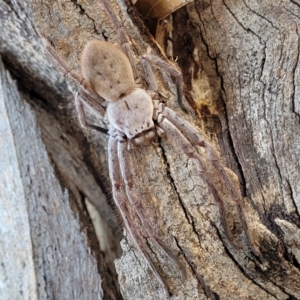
[[136, 117]]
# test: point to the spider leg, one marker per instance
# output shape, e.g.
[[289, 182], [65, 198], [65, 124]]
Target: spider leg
[[183, 143], [135, 199], [167, 67], [86, 93], [69, 71], [94, 101], [79, 104], [120, 198], [122, 36], [199, 139]]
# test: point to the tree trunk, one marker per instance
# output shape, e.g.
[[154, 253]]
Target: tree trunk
[[240, 63]]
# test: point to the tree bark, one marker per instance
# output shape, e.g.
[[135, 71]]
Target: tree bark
[[240, 62]]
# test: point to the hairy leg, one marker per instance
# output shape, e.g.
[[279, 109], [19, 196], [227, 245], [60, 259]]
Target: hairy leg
[[196, 138], [79, 103], [176, 136], [68, 70], [120, 198], [168, 68], [85, 93], [123, 40], [135, 196], [146, 59]]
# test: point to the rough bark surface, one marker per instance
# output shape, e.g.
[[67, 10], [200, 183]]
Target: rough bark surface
[[249, 53], [36, 213], [48, 245]]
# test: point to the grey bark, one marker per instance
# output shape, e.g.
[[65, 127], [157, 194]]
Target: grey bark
[[48, 245], [249, 53]]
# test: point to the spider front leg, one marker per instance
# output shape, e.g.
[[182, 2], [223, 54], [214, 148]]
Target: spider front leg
[[135, 197], [120, 198], [198, 139], [184, 144], [79, 104], [189, 137], [172, 71], [186, 136]]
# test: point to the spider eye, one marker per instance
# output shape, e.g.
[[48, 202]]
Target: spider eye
[[150, 135], [137, 141]]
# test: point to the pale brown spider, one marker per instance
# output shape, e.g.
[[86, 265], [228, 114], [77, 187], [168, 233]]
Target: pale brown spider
[[135, 118]]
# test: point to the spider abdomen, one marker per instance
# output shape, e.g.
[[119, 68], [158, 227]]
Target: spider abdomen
[[107, 68], [132, 115]]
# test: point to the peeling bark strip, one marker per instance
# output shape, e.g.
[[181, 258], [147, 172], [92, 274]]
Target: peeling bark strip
[[249, 52]]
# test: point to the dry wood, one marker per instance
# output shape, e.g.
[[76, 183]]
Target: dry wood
[[249, 53]]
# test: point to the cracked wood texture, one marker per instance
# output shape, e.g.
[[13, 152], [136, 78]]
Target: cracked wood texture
[[249, 53]]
